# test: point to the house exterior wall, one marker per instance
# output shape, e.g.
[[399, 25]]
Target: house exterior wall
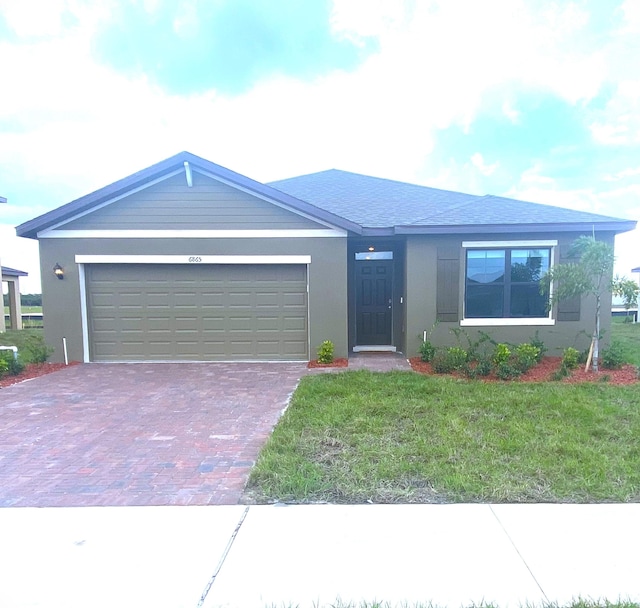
[[327, 280], [421, 282], [172, 205]]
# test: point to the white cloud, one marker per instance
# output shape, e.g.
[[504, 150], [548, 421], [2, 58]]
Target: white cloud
[[478, 161]]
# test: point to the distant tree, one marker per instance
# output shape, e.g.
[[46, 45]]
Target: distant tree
[[627, 289], [589, 275], [31, 299]]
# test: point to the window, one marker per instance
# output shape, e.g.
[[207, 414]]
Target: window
[[503, 282]]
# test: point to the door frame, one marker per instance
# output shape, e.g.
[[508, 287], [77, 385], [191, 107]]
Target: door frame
[[397, 247]]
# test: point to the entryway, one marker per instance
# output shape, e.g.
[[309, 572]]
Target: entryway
[[376, 299]]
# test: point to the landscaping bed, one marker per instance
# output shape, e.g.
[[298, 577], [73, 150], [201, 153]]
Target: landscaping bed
[[33, 370], [544, 372]]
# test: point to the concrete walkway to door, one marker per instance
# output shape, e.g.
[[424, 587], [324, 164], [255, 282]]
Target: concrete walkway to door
[[139, 434]]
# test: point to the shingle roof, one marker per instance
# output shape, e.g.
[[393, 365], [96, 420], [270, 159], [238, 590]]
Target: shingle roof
[[359, 204], [12, 272], [374, 202]]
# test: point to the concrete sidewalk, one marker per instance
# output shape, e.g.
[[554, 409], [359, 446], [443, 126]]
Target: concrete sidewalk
[[314, 555]]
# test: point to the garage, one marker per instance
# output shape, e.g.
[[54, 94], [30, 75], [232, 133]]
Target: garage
[[197, 312]]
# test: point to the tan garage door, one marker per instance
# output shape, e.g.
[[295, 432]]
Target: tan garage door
[[147, 312]]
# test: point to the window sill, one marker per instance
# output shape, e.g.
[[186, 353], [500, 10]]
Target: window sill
[[506, 322]]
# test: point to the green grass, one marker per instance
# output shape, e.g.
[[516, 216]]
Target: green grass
[[627, 337], [579, 603], [402, 437], [375, 604]]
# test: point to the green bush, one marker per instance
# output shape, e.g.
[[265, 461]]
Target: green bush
[[441, 364], [501, 354], [35, 350], [451, 360], [9, 364], [539, 344], [570, 358], [427, 351], [526, 356], [457, 356], [484, 366], [507, 371], [325, 352], [612, 357]]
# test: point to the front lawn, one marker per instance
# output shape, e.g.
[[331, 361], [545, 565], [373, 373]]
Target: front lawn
[[626, 336], [402, 437]]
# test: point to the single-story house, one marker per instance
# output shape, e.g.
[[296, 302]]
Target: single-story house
[[187, 260]]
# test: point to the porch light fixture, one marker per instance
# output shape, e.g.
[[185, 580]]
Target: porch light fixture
[[372, 248], [58, 271]]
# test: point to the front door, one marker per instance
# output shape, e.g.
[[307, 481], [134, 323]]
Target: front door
[[374, 283]]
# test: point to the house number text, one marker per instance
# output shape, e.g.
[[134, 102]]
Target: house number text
[[194, 259]]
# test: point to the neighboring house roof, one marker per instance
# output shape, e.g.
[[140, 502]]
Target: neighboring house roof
[[12, 272], [635, 269], [361, 204]]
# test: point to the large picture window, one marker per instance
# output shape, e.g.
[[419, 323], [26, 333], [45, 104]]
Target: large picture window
[[505, 282]]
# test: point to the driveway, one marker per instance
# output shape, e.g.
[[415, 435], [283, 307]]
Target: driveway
[[138, 434]]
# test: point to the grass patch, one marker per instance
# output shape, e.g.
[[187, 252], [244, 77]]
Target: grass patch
[[403, 437], [627, 337], [579, 603], [375, 604]]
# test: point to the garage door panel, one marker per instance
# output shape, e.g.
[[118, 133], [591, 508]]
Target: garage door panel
[[202, 312]]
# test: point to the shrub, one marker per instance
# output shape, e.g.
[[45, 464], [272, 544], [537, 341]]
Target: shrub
[[10, 365], [570, 358], [507, 371], [501, 354], [427, 351], [450, 360], [484, 366], [612, 357], [457, 356], [325, 352], [539, 344], [35, 349], [560, 373], [526, 356], [441, 364]]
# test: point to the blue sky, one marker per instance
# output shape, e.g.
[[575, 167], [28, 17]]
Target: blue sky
[[531, 99]]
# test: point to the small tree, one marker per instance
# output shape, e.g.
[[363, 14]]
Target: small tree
[[589, 275], [627, 289]]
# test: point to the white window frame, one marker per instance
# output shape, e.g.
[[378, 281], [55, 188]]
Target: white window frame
[[506, 321]]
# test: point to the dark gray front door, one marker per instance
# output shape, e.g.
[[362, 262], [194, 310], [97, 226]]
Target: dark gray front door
[[374, 280]]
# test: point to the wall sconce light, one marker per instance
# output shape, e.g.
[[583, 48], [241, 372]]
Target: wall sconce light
[[372, 248], [58, 271]]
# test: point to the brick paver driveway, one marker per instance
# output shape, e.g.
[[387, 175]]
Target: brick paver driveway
[[138, 434]]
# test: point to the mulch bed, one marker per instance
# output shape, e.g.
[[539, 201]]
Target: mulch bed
[[33, 370], [336, 363], [542, 372]]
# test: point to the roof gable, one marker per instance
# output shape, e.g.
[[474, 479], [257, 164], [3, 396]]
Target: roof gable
[[182, 162]]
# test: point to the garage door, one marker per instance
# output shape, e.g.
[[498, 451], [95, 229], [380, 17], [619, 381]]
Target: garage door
[[208, 312]]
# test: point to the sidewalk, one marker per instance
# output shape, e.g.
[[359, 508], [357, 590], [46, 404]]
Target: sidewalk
[[313, 555]]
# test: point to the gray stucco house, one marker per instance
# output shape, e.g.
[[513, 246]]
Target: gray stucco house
[[187, 260]]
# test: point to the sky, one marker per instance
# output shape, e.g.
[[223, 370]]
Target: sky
[[530, 99]]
